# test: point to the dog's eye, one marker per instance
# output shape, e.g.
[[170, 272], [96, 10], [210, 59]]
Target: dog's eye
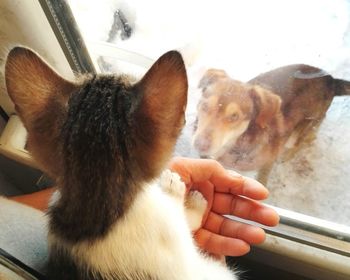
[[233, 117]]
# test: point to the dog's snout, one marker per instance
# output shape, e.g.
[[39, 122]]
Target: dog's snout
[[202, 144]]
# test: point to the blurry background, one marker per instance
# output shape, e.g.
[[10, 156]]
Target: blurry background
[[245, 38]]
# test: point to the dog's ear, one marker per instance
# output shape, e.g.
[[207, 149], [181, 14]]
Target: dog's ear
[[31, 82], [267, 105], [161, 111], [211, 76]]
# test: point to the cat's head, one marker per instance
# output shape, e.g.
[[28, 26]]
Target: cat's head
[[102, 121]]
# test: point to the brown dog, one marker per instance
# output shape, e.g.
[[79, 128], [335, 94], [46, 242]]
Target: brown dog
[[247, 125]]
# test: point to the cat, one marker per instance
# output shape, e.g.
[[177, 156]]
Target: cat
[[118, 214]]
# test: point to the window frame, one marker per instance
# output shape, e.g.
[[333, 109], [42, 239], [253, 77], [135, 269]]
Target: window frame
[[307, 231]]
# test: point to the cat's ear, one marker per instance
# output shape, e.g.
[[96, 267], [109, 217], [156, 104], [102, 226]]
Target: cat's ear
[[163, 93], [31, 82]]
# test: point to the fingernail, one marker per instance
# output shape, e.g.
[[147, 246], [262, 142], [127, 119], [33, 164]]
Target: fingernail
[[255, 189]]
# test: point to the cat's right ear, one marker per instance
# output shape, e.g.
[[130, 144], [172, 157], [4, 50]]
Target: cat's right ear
[[163, 99], [31, 82]]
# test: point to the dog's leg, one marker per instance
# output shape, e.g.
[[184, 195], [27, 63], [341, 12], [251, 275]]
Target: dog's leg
[[263, 174], [304, 134]]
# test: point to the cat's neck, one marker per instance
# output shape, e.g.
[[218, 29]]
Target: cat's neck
[[100, 176], [87, 209]]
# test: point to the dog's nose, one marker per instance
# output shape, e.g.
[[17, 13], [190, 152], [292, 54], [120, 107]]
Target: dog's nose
[[202, 144]]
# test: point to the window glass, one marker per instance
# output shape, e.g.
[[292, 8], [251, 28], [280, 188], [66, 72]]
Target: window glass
[[269, 86]]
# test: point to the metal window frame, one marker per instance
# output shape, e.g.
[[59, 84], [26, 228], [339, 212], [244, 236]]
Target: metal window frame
[[63, 24], [18, 267]]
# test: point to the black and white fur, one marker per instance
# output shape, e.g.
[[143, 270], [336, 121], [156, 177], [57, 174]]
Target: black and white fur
[[106, 141]]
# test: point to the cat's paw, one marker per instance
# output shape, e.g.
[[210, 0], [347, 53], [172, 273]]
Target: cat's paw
[[196, 201], [196, 206], [171, 183]]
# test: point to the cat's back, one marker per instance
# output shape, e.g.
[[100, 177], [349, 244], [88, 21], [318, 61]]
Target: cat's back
[[152, 241]]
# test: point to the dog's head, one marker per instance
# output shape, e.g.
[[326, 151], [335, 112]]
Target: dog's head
[[227, 110]]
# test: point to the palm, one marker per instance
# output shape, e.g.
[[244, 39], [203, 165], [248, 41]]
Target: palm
[[227, 194]]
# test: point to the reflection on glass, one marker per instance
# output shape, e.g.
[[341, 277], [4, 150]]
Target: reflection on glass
[[288, 126]]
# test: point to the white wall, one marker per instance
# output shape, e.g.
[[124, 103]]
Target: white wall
[[22, 22]]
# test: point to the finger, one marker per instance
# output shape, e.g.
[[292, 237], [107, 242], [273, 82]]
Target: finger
[[183, 167], [226, 181], [247, 187], [244, 208], [195, 171], [221, 245], [207, 189], [226, 227], [199, 170]]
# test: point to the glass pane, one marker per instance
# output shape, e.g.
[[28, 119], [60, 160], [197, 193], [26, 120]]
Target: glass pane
[[269, 90]]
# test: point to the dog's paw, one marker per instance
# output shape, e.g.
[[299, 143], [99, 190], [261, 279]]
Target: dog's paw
[[171, 183], [196, 206]]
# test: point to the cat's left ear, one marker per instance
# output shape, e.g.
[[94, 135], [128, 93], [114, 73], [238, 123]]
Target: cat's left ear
[[164, 93], [31, 82], [161, 113]]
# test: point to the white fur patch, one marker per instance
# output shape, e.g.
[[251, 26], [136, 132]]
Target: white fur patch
[[152, 237], [195, 209]]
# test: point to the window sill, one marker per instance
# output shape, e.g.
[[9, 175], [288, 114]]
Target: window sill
[[305, 246], [301, 259]]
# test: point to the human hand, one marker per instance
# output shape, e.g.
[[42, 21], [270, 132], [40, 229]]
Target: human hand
[[227, 193]]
